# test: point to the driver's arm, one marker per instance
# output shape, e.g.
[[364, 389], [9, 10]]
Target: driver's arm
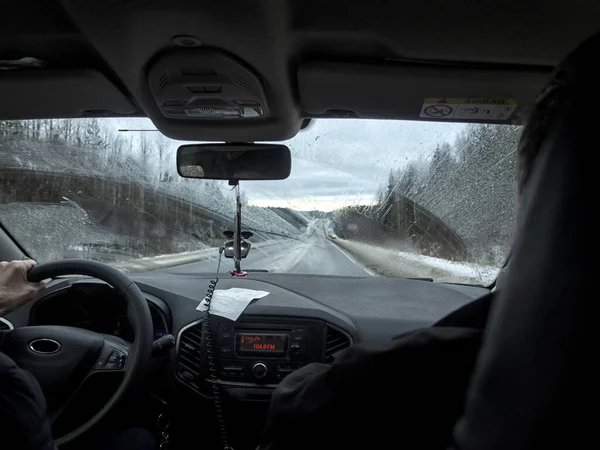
[[15, 290], [23, 420]]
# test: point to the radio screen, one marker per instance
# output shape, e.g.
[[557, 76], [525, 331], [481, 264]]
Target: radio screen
[[266, 344]]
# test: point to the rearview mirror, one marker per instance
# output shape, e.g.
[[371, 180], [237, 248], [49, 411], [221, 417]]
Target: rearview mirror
[[234, 161]]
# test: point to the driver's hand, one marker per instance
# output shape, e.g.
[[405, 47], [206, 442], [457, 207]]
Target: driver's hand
[[15, 290]]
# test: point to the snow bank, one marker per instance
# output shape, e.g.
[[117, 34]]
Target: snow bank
[[396, 263], [176, 259]]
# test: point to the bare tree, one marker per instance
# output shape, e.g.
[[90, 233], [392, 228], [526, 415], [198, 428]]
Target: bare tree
[[162, 148], [146, 152], [65, 129], [93, 133]]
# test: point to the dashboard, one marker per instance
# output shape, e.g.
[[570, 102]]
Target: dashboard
[[304, 319], [96, 307]]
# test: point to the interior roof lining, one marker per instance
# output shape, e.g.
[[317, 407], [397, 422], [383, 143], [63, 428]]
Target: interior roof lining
[[119, 38]]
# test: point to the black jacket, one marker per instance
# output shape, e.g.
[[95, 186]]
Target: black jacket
[[24, 424], [406, 394]]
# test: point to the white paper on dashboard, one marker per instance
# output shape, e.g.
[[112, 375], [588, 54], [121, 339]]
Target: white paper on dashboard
[[231, 303]]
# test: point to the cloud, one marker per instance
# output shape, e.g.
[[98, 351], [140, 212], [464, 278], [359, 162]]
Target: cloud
[[312, 186], [370, 148]]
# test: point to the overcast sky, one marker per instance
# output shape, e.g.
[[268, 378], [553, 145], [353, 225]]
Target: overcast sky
[[339, 162]]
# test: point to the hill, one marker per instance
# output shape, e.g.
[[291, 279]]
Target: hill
[[63, 189]]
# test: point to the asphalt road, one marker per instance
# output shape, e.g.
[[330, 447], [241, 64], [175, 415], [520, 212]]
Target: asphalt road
[[312, 255]]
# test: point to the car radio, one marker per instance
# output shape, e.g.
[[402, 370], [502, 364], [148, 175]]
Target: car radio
[[261, 352], [263, 344]]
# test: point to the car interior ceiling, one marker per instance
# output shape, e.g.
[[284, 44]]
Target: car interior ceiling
[[310, 61], [303, 60]]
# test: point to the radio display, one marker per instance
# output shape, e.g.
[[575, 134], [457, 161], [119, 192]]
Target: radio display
[[263, 344]]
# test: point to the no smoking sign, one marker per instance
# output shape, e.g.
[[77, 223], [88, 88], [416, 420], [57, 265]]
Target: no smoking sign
[[481, 109], [436, 111]]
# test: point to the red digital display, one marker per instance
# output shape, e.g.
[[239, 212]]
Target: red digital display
[[272, 344]]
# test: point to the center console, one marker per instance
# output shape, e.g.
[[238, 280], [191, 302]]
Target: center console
[[254, 352], [265, 352]]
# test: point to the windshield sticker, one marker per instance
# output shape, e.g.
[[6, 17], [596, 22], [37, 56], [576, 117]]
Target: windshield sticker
[[469, 108]]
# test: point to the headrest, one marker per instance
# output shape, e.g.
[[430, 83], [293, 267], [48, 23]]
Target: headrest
[[533, 375]]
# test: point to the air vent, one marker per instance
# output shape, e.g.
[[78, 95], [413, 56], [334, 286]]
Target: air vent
[[240, 82], [189, 354], [223, 113], [336, 340], [5, 324], [204, 89], [196, 71], [164, 81], [173, 102]]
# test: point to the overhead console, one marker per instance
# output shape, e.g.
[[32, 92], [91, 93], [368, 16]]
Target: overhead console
[[206, 84], [209, 95]]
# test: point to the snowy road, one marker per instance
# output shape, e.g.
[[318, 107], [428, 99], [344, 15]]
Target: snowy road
[[319, 256], [314, 255]]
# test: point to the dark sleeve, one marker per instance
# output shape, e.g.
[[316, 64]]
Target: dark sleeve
[[405, 394], [23, 420]]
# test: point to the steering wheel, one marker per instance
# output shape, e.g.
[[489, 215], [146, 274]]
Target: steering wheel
[[61, 358]]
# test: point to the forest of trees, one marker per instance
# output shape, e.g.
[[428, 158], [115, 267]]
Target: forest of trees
[[458, 204], [150, 154], [95, 184]]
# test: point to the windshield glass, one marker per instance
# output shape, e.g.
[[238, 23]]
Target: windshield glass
[[365, 198]]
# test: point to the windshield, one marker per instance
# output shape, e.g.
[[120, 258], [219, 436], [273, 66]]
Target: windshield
[[365, 198]]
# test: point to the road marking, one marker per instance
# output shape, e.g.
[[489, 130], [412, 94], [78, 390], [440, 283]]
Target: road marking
[[368, 271]]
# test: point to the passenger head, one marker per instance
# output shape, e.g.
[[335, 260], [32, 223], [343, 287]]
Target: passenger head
[[571, 75]]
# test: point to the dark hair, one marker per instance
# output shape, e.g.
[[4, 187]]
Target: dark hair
[[536, 129], [571, 77]]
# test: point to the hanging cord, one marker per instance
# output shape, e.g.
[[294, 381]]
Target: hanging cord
[[212, 364]]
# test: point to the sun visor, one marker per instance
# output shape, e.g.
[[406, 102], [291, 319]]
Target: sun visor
[[47, 93], [418, 92]]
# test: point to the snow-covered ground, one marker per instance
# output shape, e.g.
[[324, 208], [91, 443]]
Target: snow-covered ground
[[177, 259], [392, 262]]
